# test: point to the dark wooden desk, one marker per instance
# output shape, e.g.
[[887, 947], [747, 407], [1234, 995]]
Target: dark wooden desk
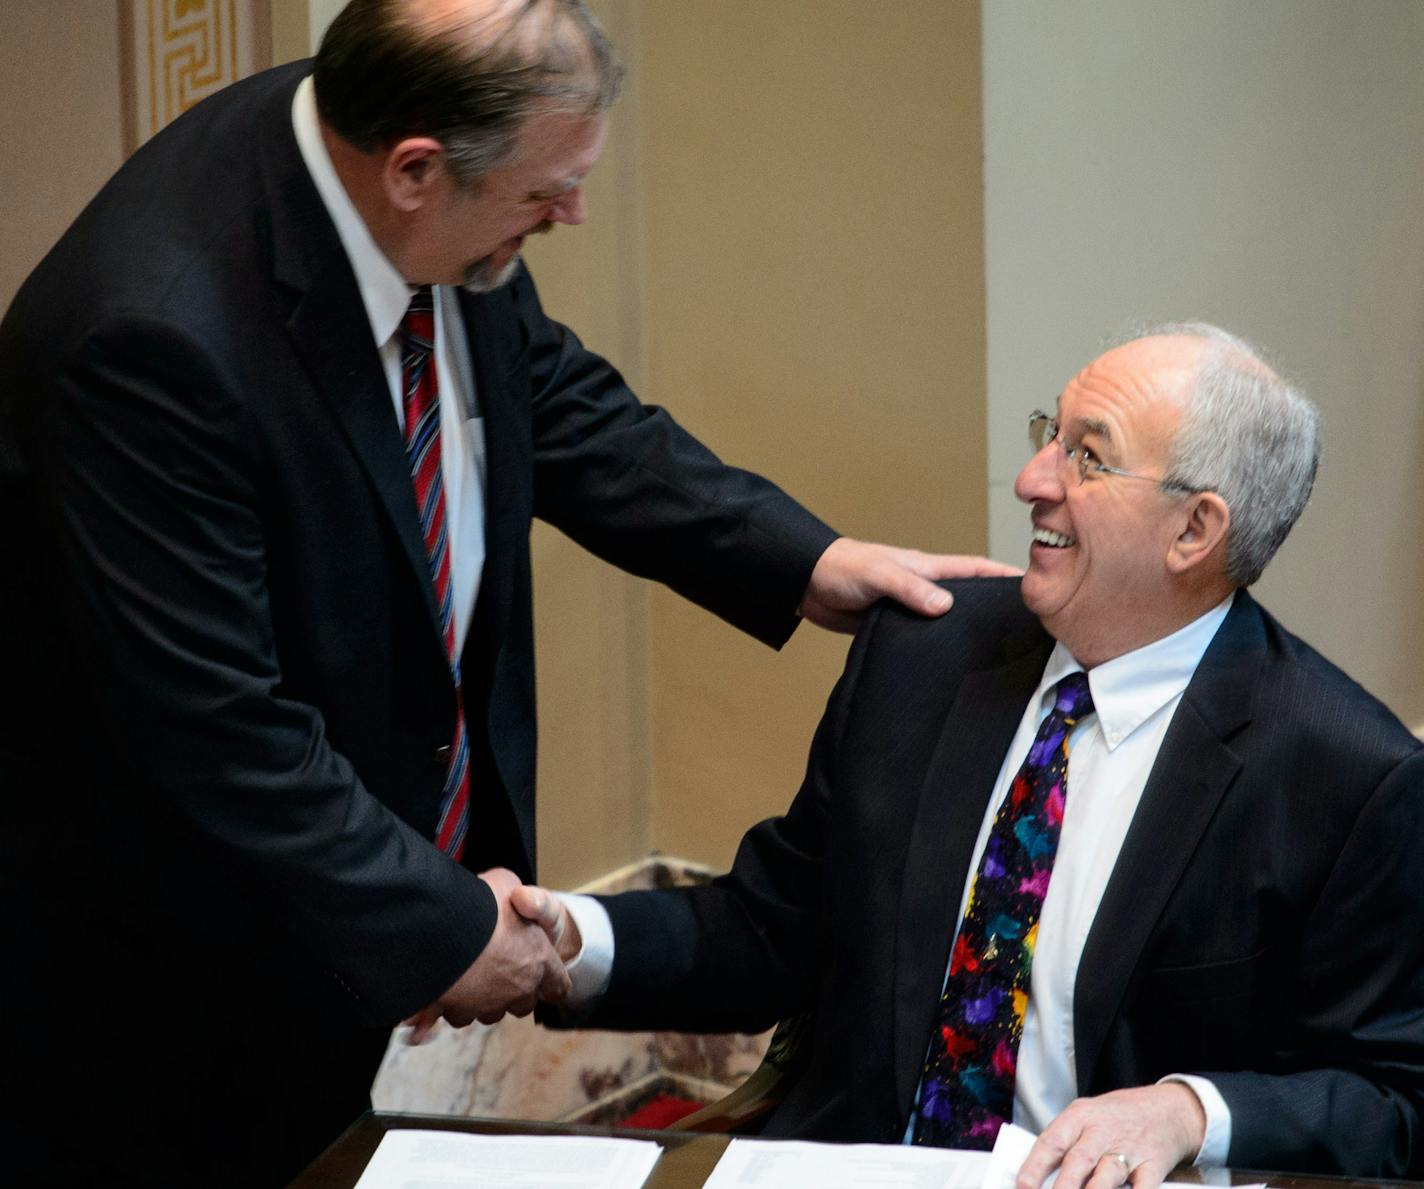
[[687, 1160]]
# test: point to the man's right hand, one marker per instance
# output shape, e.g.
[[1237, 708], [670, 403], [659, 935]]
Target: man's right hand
[[517, 968]]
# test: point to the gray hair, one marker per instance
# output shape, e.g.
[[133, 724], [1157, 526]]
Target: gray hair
[[1248, 435], [469, 81]]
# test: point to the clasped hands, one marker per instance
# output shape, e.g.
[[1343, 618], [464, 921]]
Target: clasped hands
[[522, 964]]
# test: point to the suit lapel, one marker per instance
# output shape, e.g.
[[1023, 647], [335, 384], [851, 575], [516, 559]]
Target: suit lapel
[[952, 803], [1194, 768], [331, 336], [347, 373]]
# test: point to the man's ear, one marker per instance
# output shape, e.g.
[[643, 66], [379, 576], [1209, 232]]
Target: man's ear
[[412, 168], [1208, 520]]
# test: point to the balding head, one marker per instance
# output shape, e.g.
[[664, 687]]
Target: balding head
[[468, 73]]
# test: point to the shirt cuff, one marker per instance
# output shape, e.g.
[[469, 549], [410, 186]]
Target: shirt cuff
[[1217, 1141], [590, 968]]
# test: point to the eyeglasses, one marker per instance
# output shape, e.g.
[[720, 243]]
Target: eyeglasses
[[1043, 429]]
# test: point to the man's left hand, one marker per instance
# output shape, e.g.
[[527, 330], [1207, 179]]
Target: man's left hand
[[851, 575], [1136, 1136]]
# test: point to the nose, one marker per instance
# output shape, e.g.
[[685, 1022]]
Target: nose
[[1042, 476], [569, 208]]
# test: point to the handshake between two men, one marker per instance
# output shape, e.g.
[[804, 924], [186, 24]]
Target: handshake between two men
[[523, 963], [1227, 966]]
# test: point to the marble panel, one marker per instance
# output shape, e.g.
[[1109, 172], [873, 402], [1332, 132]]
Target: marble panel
[[515, 1069]]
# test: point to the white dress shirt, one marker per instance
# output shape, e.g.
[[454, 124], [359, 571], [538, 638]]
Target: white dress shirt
[[1111, 753], [386, 297]]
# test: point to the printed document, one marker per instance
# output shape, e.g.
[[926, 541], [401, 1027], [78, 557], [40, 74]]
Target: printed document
[[415, 1159]]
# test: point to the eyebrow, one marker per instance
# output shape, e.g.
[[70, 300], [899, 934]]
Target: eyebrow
[[1091, 425]]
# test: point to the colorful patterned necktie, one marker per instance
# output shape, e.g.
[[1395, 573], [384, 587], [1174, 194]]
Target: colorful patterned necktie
[[422, 447], [967, 1092]]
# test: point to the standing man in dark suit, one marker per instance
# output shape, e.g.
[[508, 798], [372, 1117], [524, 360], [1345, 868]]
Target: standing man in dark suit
[[276, 414], [1228, 963]]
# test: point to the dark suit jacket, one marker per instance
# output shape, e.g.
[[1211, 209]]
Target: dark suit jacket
[[217, 603], [1264, 925]]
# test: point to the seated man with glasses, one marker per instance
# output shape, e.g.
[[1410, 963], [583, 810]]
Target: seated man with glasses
[[1228, 963]]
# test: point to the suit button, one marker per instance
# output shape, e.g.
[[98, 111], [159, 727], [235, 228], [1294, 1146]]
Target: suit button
[[441, 756]]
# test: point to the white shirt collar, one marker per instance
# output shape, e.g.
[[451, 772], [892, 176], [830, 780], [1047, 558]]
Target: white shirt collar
[[1130, 689], [384, 292]]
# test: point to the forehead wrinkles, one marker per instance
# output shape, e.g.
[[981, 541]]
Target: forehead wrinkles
[[1124, 402]]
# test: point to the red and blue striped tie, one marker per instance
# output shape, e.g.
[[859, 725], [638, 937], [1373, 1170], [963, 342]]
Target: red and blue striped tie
[[422, 447]]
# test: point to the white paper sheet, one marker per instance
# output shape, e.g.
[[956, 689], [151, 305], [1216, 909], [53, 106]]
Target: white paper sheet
[[1011, 1148], [417, 1159], [792, 1164]]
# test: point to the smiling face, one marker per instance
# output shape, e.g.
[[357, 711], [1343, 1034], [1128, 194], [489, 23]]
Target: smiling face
[[1100, 576], [471, 234]]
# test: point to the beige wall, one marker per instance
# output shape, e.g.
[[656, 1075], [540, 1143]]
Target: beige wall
[[61, 134], [591, 621], [813, 308], [784, 246], [297, 26]]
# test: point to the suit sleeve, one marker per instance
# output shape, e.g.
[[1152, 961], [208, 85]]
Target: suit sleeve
[[625, 481], [745, 951], [157, 473], [1347, 1092]]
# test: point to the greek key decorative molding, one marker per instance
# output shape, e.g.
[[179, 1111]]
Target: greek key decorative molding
[[177, 52]]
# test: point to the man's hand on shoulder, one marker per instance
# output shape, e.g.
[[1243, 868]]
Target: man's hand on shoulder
[[517, 968], [1137, 1136], [851, 575]]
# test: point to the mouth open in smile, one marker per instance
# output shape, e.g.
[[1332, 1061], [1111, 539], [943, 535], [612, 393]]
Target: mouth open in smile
[[1046, 536]]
